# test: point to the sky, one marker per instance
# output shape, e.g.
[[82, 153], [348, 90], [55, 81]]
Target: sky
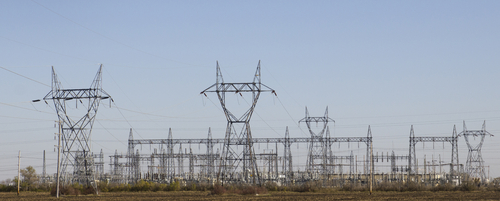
[[387, 64]]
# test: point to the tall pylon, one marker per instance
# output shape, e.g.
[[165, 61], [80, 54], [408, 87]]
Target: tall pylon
[[132, 161], [317, 156], [454, 173], [233, 160], [210, 156], [475, 163], [77, 157], [412, 156], [287, 158]]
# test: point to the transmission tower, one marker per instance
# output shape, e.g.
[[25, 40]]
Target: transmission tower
[[76, 133], [210, 156], [287, 158], [233, 159], [132, 161], [316, 159], [475, 163]]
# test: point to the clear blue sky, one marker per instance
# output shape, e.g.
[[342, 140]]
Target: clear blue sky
[[388, 64]]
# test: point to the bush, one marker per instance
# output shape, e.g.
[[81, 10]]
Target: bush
[[443, 187], [308, 187], [174, 186], [271, 186], [88, 190], [141, 186], [66, 190], [203, 186], [354, 187], [119, 187], [468, 186], [253, 190], [218, 190], [6, 188]]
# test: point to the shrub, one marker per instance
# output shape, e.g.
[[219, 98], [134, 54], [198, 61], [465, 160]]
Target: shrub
[[6, 188], [271, 186], [218, 190], [141, 186], [467, 186], [308, 187], [354, 187], [203, 186], [443, 187], [174, 186], [253, 190], [88, 190], [65, 190]]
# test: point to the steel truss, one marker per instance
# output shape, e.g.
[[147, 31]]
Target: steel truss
[[412, 158], [270, 160], [318, 148], [77, 157], [233, 160], [475, 163]]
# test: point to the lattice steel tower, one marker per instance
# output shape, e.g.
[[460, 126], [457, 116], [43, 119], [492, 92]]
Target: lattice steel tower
[[317, 156], [287, 158], [234, 161], [475, 163], [76, 133]]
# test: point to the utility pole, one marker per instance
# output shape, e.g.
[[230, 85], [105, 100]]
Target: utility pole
[[371, 166], [18, 172], [58, 158], [44, 172]]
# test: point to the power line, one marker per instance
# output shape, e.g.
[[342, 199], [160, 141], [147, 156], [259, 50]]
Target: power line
[[25, 77]]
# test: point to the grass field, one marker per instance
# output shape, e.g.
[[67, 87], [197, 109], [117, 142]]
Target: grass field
[[201, 195]]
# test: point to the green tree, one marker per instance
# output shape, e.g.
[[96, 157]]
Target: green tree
[[29, 178]]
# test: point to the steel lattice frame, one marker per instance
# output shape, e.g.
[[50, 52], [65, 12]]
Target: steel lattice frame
[[318, 149], [453, 140], [133, 160], [231, 158], [76, 134], [287, 156], [475, 163]]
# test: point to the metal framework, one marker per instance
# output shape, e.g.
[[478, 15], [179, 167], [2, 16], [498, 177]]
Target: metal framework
[[316, 158], [233, 160], [475, 163], [287, 158], [268, 160], [453, 140], [77, 156]]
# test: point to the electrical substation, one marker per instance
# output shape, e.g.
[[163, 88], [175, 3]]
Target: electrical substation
[[239, 157]]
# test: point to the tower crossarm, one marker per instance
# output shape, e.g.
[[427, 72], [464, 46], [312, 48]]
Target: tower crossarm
[[238, 87], [254, 140], [69, 94], [475, 133], [316, 119], [434, 139]]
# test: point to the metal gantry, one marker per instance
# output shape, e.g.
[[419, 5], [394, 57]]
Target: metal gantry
[[267, 161], [77, 158], [475, 163], [412, 157], [233, 160]]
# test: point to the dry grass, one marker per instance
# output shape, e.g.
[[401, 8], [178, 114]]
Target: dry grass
[[278, 195]]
